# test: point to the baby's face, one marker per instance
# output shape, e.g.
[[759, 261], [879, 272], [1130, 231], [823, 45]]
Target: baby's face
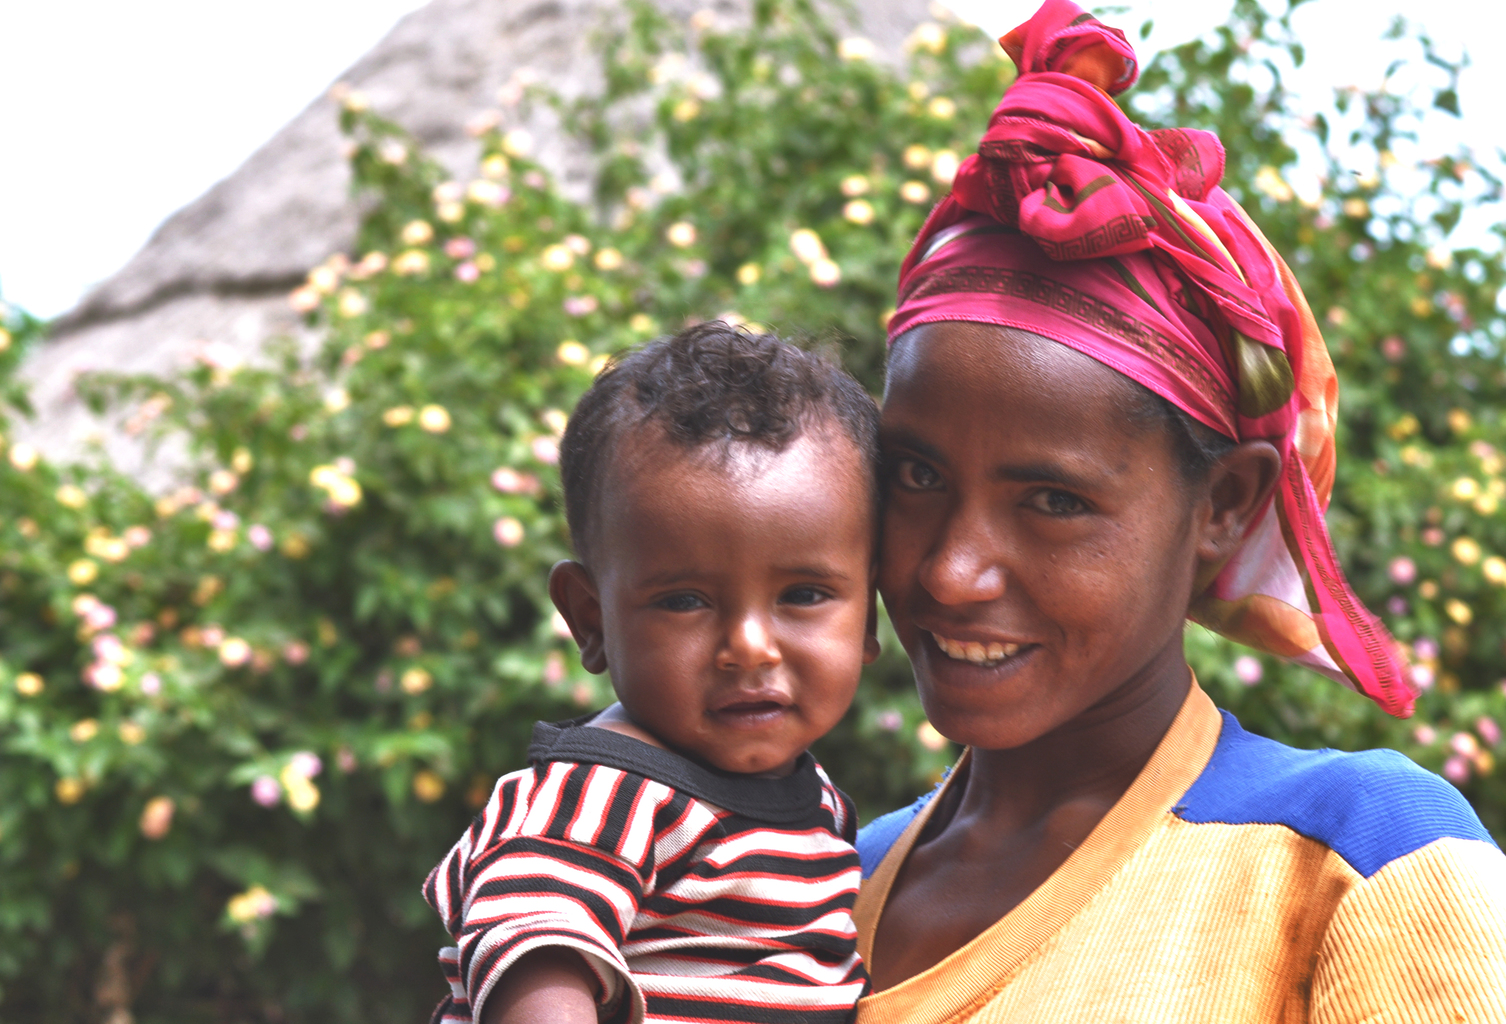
[[736, 597]]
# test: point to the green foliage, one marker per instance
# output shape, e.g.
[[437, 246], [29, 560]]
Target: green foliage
[[240, 721]]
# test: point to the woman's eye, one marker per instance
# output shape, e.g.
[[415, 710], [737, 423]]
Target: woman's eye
[[804, 596], [914, 475], [1059, 503], [681, 603]]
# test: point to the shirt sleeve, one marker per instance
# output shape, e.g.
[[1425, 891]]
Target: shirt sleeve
[[561, 857], [1422, 940]]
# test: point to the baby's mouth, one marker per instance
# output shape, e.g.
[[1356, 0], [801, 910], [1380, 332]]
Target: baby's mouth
[[977, 653]]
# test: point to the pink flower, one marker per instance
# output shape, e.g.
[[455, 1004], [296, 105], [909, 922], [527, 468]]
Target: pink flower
[[467, 272], [581, 305], [1397, 605], [1422, 677], [508, 532], [554, 669], [345, 760], [510, 481], [295, 652], [1402, 570], [1432, 536], [260, 537], [1456, 769], [1425, 734], [266, 791], [151, 684], [1248, 669], [460, 248], [1488, 730], [306, 764], [546, 450], [226, 520], [99, 616], [1464, 744], [1426, 648], [1393, 348], [890, 721]]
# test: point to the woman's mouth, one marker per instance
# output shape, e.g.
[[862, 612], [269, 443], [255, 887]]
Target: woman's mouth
[[973, 652]]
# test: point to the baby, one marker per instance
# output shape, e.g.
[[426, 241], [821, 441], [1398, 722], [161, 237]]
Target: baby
[[680, 856]]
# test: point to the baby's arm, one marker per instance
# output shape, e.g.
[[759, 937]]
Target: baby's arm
[[547, 986]]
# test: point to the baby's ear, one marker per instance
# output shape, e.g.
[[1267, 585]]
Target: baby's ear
[[575, 597]]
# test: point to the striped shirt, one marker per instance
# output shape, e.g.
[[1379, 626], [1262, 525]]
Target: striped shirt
[[692, 894]]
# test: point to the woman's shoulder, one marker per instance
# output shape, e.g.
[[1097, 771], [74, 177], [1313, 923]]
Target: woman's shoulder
[[1371, 807]]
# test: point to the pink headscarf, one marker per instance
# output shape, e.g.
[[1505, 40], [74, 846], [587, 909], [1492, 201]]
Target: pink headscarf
[[1074, 223]]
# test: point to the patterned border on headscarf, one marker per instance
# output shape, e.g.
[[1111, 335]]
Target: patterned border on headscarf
[[1093, 311]]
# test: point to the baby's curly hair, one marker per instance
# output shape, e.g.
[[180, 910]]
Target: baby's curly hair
[[709, 385]]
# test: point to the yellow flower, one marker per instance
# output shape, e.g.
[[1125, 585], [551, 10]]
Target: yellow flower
[[398, 415], [642, 323], [234, 652], [1466, 550], [24, 456], [4, 339], [855, 185], [1356, 208], [157, 817], [608, 259], [686, 110], [336, 400], [944, 166], [1421, 305], [71, 496], [434, 418], [858, 211], [917, 157], [681, 234], [495, 166], [942, 108], [1486, 504], [557, 258], [83, 572], [1404, 427], [1465, 489], [1494, 569], [1459, 420], [927, 36], [1269, 181], [825, 273], [517, 142], [572, 353], [416, 680], [84, 730], [256, 902], [417, 232], [929, 737], [428, 786], [916, 192], [1458, 611], [302, 795], [131, 733], [295, 546], [856, 48], [69, 791], [29, 684], [918, 91], [450, 212], [107, 548], [807, 246], [411, 263], [749, 274]]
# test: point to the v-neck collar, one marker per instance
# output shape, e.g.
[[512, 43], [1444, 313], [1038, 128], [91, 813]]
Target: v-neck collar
[[987, 962]]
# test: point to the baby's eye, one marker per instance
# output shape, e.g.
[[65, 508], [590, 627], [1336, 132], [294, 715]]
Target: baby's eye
[[1058, 503], [681, 603], [914, 475], [804, 595]]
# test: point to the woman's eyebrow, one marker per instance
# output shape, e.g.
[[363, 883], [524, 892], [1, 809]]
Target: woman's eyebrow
[[912, 442], [1045, 472]]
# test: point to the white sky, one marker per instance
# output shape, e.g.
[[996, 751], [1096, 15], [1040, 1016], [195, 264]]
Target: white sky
[[114, 114]]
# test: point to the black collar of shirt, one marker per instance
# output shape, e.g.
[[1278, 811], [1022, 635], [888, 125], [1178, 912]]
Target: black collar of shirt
[[783, 801]]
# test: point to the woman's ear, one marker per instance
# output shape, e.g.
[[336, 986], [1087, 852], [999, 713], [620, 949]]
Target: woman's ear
[[575, 597], [1239, 486]]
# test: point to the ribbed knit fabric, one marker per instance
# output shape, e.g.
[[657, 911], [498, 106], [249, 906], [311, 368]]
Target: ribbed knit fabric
[[1213, 892]]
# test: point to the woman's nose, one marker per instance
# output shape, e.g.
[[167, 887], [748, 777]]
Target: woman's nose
[[749, 643], [966, 563]]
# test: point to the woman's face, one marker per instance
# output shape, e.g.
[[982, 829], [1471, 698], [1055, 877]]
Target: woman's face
[[1039, 547]]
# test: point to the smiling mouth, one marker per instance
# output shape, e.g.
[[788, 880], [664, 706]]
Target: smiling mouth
[[977, 653]]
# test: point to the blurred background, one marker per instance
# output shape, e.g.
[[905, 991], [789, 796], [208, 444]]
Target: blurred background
[[296, 304]]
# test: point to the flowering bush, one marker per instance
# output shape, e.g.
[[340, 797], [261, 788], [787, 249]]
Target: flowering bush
[[239, 720]]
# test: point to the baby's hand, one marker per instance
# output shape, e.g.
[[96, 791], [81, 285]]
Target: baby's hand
[[546, 986]]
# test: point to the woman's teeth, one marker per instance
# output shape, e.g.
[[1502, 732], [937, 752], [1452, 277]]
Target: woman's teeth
[[978, 654]]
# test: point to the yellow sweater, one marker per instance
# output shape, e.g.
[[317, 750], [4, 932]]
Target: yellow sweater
[[1236, 880]]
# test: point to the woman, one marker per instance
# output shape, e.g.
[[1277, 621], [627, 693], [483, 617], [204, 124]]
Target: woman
[[1108, 408]]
